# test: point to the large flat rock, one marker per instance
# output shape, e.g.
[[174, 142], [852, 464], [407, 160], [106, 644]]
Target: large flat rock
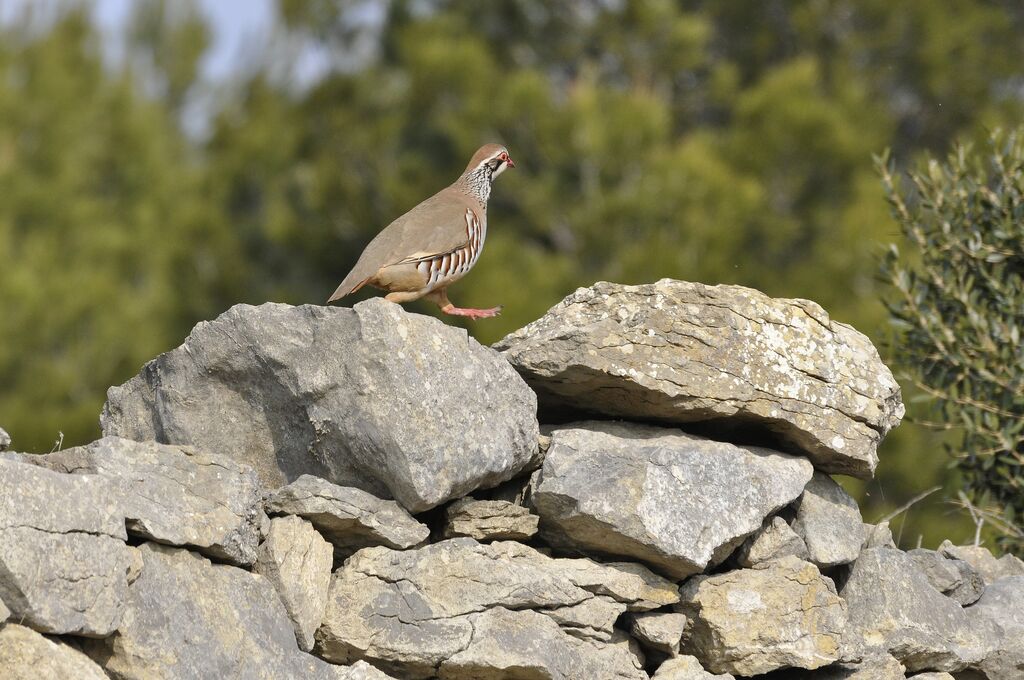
[[397, 404], [63, 557], [189, 618], [780, 614], [685, 353], [674, 501], [417, 611], [176, 494]]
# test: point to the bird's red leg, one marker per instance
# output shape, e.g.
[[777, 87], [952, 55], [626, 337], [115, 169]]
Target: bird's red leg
[[441, 298]]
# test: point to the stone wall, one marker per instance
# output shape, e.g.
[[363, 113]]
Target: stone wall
[[635, 486]]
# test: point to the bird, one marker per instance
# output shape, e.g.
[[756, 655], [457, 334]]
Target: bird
[[436, 243]]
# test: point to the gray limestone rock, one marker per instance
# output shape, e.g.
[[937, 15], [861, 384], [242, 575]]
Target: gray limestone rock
[[349, 518], [1002, 606], [879, 667], [5, 613], [592, 619], [63, 558], [526, 645], [297, 560], [27, 655], [397, 404], [984, 562], [686, 352], [674, 501], [189, 618], [878, 536], [893, 608], [686, 668], [940, 572], [779, 614], [411, 611], [773, 540], [971, 587], [934, 676], [658, 631], [489, 520], [175, 494], [829, 522], [5, 440]]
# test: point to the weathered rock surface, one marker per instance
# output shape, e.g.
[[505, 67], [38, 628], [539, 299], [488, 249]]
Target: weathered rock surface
[[176, 495], [750, 621], [349, 518], [398, 404], [1002, 605], [934, 676], [893, 608], [878, 536], [412, 610], [940, 571], [530, 646], [188, 618], [829, 522], [5, 440], [674, 501], [489, 520], [686, 668], [881, 667], [773, 540], [297, 561], [63, 558], [27, 655], [592, 619], [658, 631], [984, 562], [685, 352]]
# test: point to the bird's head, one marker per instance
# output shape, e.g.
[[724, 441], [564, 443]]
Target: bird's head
[[490, 160]]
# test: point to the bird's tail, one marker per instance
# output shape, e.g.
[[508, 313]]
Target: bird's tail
[[347, 287]]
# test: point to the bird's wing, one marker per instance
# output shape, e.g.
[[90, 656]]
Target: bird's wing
[[436, 226]]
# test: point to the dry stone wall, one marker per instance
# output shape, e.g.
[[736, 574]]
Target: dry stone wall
[[304, 492]]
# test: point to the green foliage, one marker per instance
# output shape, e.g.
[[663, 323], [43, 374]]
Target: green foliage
[[958, 305]]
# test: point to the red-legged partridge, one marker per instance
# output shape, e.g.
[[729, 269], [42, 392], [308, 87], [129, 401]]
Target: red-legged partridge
[[436, 243]]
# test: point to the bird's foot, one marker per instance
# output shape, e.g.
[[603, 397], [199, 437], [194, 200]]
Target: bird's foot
[[472, 313]]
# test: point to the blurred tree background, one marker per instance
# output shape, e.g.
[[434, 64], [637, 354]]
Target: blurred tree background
[[723, 142]]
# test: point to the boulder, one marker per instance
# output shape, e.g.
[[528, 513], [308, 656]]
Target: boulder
[[773, 540], [894, 609], [658, 631], [829, 523], [397, 404], [5, 613], [349, 518], [1002, 606], [63, 558], [971, 587], [728, 356], [984, 562], [175, 494], [934, 676], [411, 611], [27, 655], [5, 440], [674, 501], [297, 561], [189, 618], [686, 668], [779, 614], [489, 520]]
